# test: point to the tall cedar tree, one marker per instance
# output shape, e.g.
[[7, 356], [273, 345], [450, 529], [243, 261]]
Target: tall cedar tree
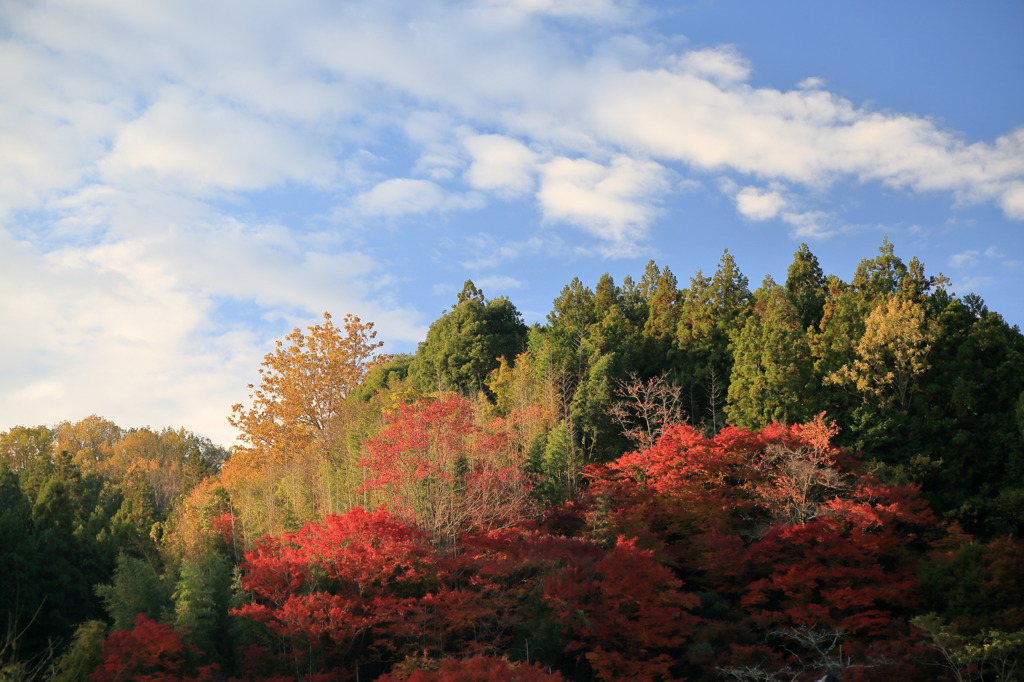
[[466, 344]]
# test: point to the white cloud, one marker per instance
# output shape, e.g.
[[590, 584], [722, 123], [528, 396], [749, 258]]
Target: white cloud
[[724, 65], [973, 258], [811, 83], [971, 285], [198, 145], [611, 202], [498, 285], [964, 259], [808, 224], [599, 10], [1012, 201], [490, 250], [805, 137], [500, 164], [102, 330], [758, 204], [404, 196]]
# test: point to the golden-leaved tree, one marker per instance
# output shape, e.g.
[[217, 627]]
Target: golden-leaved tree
[[295, 423], [891, 355]]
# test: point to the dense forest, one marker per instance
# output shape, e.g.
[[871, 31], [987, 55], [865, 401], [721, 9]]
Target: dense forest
[[665, 481]]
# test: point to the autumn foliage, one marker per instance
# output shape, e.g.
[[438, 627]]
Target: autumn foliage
[[777, 526], [150, 651], [438, 467], [620, 493], [746, 553], [365, 590]]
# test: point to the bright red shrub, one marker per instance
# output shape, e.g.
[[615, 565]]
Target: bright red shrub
[[150, 652]]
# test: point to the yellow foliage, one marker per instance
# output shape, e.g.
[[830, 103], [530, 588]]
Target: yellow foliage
[[890, 355], [303, 386], [297, 424]]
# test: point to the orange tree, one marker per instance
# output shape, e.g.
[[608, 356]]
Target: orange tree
[[294, 421]]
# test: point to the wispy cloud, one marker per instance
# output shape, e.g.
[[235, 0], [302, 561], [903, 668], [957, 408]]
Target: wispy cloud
[[403, 196], [194, 145], [498, 285], [490, 250]]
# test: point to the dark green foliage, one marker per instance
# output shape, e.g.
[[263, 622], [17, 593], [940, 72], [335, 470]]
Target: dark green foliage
[[132, 525], [976, 586], [773, 375], [136, 588], [591, 410], [69, 514], [200, 456], [713, 310], [880, 276], [967, 417], [83, 655], [805, 287], [21, 595], [464, 345], [202, 600]]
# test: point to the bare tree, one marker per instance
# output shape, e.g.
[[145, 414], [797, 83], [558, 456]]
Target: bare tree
[[645, 407], [814, 650], [798, 481]]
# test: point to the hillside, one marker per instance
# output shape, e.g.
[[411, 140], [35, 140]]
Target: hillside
[[664, 481]]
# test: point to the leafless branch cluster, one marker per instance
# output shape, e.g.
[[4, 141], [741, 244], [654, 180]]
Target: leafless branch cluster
[[646, 406], [800, 479], [815, 650]]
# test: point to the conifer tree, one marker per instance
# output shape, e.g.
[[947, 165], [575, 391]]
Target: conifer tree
[[805, 287], [773, 374], [464, 346]]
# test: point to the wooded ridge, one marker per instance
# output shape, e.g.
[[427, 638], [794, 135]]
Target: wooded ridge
[[662, 482]]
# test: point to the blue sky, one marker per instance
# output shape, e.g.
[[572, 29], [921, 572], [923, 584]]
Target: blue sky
[[183, 182]]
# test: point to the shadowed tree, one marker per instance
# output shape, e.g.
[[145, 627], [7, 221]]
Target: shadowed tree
[[805, 287]]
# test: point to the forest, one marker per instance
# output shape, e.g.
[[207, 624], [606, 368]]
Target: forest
[[664, 481]]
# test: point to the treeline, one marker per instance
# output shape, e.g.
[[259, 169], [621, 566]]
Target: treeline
[[78, 501], [525, 477], [929, 385]]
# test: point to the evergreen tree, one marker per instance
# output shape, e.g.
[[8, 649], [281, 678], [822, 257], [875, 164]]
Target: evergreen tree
[[712, 311], [773, 374], [136, 588], [464, 346], [965, 421], [805, 287], [591, 411], [67, 516], [202, 600], [21, 592], [880, 276], [133, 522]]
